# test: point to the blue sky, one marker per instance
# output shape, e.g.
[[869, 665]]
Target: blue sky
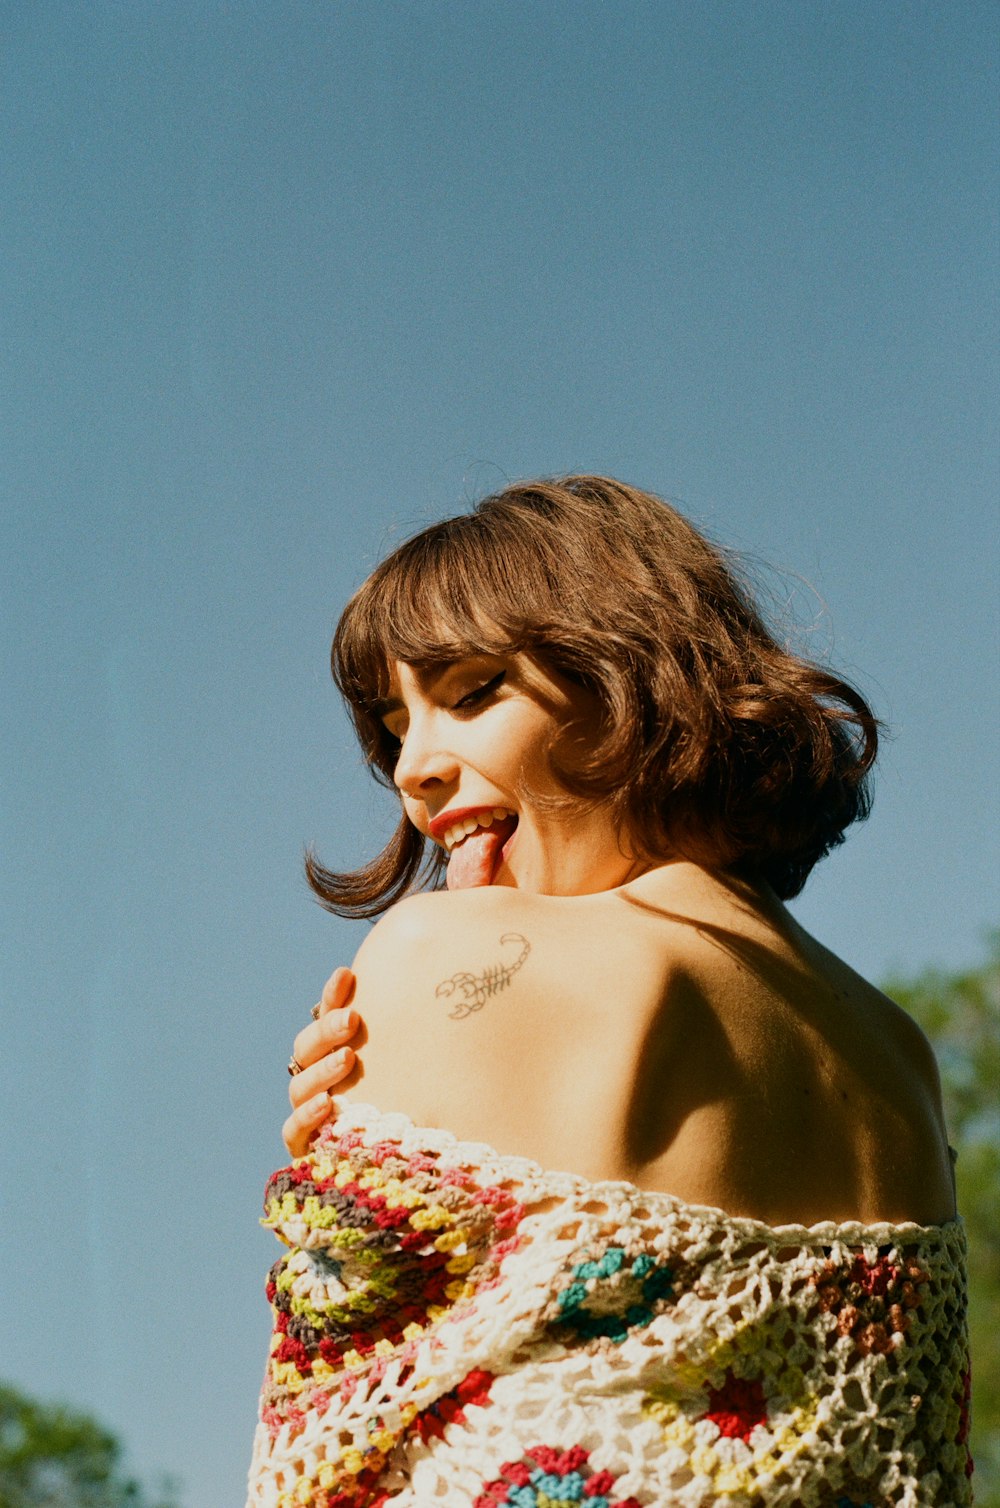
[[283, 282]]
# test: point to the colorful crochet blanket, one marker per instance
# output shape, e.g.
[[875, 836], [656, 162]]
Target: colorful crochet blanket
[[457, 1327]]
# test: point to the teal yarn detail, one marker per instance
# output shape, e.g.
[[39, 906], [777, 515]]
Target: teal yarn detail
[[558, 1489], [610, 1263], [613, 1294]]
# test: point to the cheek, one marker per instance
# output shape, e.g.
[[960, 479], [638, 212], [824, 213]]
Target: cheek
[[520, 752], [543, 734]]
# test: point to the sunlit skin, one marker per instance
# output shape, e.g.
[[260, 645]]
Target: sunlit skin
[[675, 1027], [477, 734], [474, 734]]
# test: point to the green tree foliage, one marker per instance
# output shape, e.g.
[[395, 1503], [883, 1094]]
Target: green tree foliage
[[961, 1015], [51, 1457]]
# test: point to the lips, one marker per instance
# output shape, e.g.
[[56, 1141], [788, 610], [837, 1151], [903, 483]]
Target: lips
[[477, 839], [444, 821]]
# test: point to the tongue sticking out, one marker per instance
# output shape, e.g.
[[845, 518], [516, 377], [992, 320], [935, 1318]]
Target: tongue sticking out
[[476, 859]]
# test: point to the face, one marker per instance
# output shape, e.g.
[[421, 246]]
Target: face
[[474, 769]]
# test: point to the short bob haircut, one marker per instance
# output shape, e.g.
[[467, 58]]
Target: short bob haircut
[[713, 742]]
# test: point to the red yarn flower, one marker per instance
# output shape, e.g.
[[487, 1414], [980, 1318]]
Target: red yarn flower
[[737, 1407], [876, 1278]]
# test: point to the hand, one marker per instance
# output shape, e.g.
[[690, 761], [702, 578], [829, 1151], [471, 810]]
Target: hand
[[326, 1060]]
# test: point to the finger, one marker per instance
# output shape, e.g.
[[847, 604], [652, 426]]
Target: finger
[[330, 1031], [320, 1076], [337, 991], [303, 1123]]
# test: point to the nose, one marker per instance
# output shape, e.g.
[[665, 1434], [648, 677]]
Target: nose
[[425, 763]]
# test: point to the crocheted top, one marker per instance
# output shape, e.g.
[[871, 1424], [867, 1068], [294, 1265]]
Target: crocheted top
[[454, 1326]]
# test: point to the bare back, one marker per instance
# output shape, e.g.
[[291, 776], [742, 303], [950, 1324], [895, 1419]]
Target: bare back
[[681, 1033]]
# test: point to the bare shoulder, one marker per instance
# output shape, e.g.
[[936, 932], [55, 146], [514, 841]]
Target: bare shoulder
[[403, 933], [914, 1048], [880, 1019], [425, 934], [443, 981]]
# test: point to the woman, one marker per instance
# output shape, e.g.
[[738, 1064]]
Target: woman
[[747, 1285]]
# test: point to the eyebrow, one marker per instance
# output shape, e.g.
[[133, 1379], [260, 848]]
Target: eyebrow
[[426, 675]]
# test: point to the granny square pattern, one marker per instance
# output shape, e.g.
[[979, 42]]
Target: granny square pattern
[[457, 1327]]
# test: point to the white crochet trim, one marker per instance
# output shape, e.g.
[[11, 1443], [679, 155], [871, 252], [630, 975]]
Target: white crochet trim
[[393, 1125]]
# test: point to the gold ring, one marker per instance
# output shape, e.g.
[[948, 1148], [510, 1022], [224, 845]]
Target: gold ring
[[294, 1066], [314, 1013]]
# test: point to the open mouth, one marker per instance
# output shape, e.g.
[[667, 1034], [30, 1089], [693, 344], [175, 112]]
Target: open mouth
[[477, 845]]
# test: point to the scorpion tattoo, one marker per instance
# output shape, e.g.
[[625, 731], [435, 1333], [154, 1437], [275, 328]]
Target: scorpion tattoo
[[476, 989]]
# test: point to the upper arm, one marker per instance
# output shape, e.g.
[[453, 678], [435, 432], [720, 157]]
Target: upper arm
[[395, 953], [920, 1091], [917, 1055], [426, 975]]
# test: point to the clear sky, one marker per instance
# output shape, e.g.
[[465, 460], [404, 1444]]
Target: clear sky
[[282, 282]]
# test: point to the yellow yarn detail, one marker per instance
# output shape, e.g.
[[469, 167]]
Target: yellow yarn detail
[[319, 1216], [398, 1196], [660, 1409], [370, 1178], [285, 1208], [287, 1375], [434, 1216], [733, 1479], [451, 1239], [703, 1460]]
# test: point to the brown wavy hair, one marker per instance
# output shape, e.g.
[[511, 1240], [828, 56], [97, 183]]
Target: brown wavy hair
[[714, 743]]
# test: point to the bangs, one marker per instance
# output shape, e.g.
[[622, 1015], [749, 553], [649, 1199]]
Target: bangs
[[459, 589]]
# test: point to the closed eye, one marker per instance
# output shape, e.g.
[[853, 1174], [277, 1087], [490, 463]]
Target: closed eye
[[479, 694]]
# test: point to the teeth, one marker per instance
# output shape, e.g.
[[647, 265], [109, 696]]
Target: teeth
[[469, 825]]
